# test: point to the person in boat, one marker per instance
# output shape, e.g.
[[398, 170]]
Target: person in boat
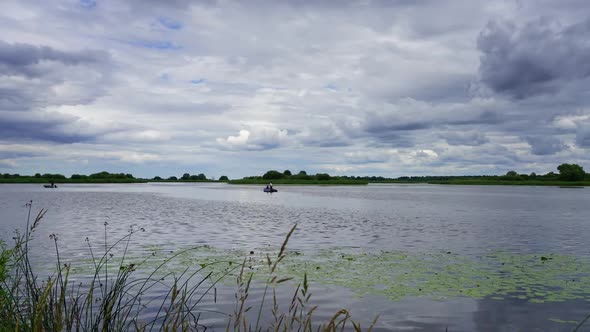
[[270, 186]]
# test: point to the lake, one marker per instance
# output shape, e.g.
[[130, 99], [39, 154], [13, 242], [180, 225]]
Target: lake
[[423, 257]]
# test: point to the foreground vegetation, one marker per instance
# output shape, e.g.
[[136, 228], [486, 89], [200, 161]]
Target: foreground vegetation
[[112, 301]]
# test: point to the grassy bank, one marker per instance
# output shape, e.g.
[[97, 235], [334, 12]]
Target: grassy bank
[[113, 299], [102, 177], [299, 182], [59, 181], [497, 182], [517, 183]]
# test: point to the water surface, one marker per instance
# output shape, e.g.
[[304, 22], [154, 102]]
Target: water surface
[[491, 230]]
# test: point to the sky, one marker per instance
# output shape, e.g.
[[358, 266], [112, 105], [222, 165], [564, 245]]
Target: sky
[[237, 88]]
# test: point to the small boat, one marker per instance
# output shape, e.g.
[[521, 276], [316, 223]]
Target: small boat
[[268, 190], [49, 186]]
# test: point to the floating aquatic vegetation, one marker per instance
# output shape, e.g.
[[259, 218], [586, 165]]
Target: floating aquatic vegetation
[[561, 321], [397, 275]]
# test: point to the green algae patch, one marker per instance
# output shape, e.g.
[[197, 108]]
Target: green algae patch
[[395, 275], [561, 321]]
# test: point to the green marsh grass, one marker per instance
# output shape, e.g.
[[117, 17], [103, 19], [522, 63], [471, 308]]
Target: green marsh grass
[[113, 299], [344, 182]]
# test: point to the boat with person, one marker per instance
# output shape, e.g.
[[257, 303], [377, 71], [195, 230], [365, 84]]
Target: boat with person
[[269, 188], [52, 185]]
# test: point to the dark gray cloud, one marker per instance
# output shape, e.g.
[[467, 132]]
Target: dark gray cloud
[[583, 137], [156, 104], [376, 125], [7, 154], [487, 154], [13, 99], [23, 59], [325, 139], [415, 116], [472, 138], [485, 117], [535, 58], [34, 79], [545, 145], [41, 126], [7, 164], [180, 4], [389, 139]]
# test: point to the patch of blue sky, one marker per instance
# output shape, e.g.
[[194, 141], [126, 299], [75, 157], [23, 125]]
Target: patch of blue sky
[[198, 81], [88, 3], [169, 23], [156, 44], [331, 86]]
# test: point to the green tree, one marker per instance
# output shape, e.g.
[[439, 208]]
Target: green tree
[[101, 175], [322, 176], [157, 178], [511, 173], [272, 175], [185, 177], [301, 175], [173, 178], [287, 172], [37, 175], [53, 176], [571, 172], [223, 178]]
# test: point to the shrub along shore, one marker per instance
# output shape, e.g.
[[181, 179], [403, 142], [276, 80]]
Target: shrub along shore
[[570, 175]]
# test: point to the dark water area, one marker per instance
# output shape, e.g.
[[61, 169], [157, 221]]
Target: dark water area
[[540, 232]]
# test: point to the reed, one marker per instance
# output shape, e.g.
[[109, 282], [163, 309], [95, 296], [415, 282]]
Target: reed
[[113, 300]]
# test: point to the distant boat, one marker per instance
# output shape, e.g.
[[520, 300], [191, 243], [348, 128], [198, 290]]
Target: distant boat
[[49, 186], [268, 190]]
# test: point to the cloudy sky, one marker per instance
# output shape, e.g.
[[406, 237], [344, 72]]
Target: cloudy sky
[[236, 88]]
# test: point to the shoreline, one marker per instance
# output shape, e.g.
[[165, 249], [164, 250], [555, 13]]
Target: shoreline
[[562, 184]]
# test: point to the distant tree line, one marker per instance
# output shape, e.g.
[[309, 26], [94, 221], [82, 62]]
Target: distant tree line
[[189, 178], [49, 177], [101, 175], [97, 178], [287, 177], [567, 173], [286, 174]]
